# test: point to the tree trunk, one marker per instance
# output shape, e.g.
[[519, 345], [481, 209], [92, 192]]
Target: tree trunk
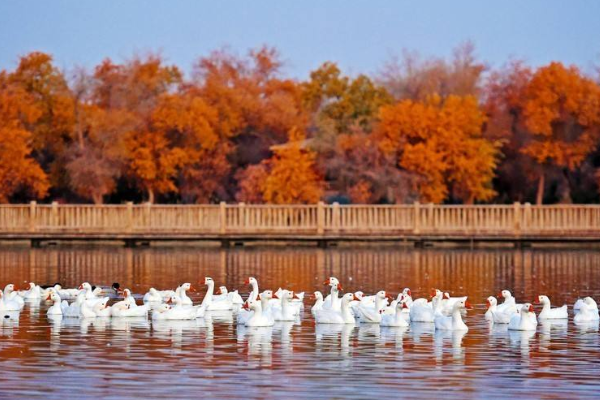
[[97, 198], [150, 196], [540, 190]]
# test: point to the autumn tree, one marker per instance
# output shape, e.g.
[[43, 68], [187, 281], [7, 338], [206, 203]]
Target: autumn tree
[[441, 142], [52, 131], [18, 170], [292, 176], [562, 110], [416, 78]]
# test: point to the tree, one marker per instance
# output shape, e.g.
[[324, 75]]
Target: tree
[[441, 143], [292, 176], [18, 170], [562, 110], [415, 78]]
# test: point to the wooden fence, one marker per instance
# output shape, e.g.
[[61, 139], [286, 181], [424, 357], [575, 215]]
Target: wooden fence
[[300, 221]]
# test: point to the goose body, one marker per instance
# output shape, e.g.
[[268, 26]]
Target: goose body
[[343, 316], [587, 311], [551, 313], [396, 319], [454, 322], [525, 320]]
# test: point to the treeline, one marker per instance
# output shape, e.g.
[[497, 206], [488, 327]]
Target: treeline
[[236, 129]]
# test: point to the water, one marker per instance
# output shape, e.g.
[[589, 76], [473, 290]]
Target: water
[[213, 358]]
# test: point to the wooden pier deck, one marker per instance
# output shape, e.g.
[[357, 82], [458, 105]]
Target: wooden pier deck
[[319, 223]]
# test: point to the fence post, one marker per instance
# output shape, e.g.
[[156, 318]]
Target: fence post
[[223, 217], [526, 223], [147, 212], [242, 223], [335, 217], [32, 216], [517, 218], [54, 214], [129, 226], [417, 217], [320, 218]]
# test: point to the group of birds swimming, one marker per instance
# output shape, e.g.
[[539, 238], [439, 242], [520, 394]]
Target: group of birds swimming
[[264, 308]]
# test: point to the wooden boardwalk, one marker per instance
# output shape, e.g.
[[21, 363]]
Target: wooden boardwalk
[[319, 223]]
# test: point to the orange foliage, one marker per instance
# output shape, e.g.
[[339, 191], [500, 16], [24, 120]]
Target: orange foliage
[[441, 141], [293, 177], [18, 170], [562, 110]]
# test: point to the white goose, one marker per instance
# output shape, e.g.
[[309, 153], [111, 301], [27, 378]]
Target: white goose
[[525, 320], [589, 302], [182, 293], [258, 318], [332, 301], [34, 292], [343, 316], [210, 302], [265, 298], [492, 306], [551, 313], [318, 296], [285, 311], [254, 283], [396, 319], [505, 311], [454, 322], [10, 295], [587, 311], [371, 314], [9, 304], [55, 308], [153, 296], [422, 311], [133, 310]]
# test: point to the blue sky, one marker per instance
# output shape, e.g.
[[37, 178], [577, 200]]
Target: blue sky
[[359, 35]]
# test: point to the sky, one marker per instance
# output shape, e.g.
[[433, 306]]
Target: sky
[[359, 35]]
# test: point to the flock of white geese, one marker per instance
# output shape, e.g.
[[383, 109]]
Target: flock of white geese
[[263, 309]]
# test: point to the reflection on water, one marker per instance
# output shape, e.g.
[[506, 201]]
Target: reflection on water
[[43, 357]]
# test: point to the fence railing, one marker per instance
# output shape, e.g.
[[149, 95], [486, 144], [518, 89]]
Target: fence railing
[[318, 219]]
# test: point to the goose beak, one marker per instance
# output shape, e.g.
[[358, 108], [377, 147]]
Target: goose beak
[[530, 308], [537, 300], [327, 282], [468, 305], [247, 281], [404, 305], [409, 293], [487, 302], [432, 292], [499, 294], [339, 287], [245, 306]]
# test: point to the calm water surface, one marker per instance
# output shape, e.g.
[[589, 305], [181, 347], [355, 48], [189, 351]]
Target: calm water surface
[[213, 358]]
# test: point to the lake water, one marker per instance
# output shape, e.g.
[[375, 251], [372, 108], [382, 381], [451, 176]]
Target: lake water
[[212, 358]]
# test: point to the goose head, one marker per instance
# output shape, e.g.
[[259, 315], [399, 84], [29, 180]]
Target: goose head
[[267, 294], [208, 281], [173, 300], [462, 304], [407, 292], [153, 291], [126, 293], [491, 301], [590, 301], [505, 294], [542, 299], [527, 308], [348, 297], [85, 286], [9, 288], [222, 290], [317, 295], [251, 281], [188, 287], [54, 297], [97, 291], [162, 308], [333, 282]]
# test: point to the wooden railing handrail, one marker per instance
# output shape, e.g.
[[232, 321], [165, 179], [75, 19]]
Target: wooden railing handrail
[[308, 219]]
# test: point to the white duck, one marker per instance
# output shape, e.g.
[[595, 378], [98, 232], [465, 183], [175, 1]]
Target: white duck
[[395, 319], [587, 312], [153, 296], [285, 311], [179, 311], [454, 322], [258, 318], [34, 292], [265, 298], [10, 295], [343, 316], [551, 313], [318, 296], [92, 312], [525, 320], [504, 312], [492, 305], [371, 314], [8, 304]]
